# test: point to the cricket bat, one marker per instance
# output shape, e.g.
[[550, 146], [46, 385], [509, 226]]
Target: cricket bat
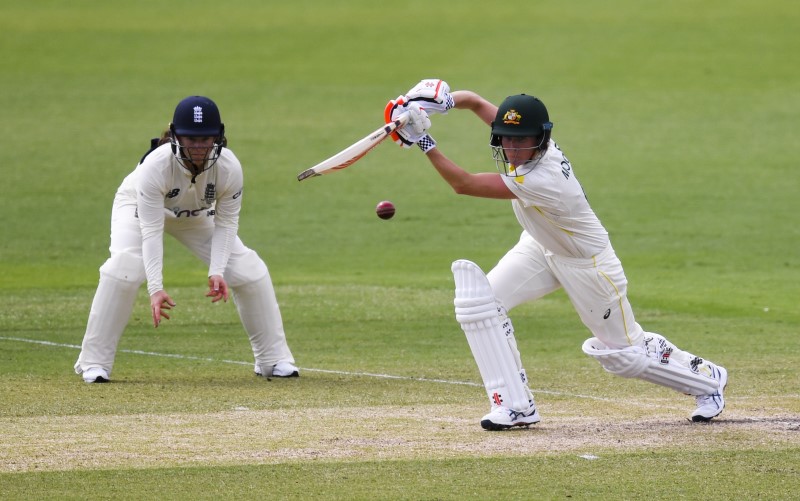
[[356, 151]]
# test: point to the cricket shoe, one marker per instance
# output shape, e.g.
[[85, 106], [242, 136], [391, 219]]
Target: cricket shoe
[[281, 369], [710, 406], [96, 375], [502, 418]]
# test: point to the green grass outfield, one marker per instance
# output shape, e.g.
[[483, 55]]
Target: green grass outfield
[[680, 119]]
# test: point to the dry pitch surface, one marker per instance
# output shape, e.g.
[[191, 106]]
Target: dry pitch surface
[[587, 428]]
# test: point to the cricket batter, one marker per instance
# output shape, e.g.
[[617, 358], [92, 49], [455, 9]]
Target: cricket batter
[[190, 186], [563, 245]]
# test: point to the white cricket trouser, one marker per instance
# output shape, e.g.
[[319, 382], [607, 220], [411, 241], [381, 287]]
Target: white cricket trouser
[[596, 286], [123, 273]]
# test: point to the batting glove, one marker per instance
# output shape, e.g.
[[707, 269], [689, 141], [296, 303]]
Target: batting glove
[[414, 130], [432, 94]]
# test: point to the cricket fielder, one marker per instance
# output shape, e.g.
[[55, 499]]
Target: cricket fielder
[[191, 188], [563, 245]]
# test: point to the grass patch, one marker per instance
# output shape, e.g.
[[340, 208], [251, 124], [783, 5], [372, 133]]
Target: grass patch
[[677, 117]]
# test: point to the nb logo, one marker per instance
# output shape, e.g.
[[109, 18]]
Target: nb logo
[[608, 314], [173, 193]]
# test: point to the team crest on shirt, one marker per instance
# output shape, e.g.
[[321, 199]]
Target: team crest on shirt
[[512, 117], [211, 193]]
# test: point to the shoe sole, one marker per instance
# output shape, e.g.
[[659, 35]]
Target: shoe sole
[[293, 374], [492, 426], [704, 419], [98, 379]]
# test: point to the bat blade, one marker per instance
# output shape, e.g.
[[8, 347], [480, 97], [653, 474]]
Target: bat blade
[[355, 151]]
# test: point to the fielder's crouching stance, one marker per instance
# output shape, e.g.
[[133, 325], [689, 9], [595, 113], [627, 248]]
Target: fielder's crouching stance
[[563, 244], [190, 187]]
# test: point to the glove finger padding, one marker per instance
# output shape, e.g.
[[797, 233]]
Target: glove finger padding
[[418, 122], [390, 112], [432, 94], [416, 126]]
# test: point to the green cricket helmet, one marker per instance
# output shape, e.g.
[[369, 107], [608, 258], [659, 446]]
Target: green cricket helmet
[[521, 116]]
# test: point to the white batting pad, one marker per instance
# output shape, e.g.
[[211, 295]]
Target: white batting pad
[[634, 361], [490, 337]]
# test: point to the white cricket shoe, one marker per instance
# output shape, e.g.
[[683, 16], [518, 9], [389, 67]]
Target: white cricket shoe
[[710, 406], [501, 418], [96, 375], [281, 369]]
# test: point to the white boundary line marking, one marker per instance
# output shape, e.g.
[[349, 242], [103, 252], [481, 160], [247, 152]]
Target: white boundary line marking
[[326, 371]]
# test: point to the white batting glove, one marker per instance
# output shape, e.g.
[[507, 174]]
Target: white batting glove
[[418, 121], [432, 94], [390, 113], [414, 131]]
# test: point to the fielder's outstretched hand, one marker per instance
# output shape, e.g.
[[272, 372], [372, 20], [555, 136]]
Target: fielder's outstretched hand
[[159, 302], [217, 288]]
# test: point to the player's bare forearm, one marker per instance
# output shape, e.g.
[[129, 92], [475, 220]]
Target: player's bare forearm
[[485, 184], [468, 100]]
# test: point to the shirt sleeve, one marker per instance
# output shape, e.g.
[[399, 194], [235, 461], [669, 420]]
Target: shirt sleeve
[[226, 217], [150, 194]]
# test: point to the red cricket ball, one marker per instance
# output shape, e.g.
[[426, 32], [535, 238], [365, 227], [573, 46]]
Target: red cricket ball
[[385, 210]]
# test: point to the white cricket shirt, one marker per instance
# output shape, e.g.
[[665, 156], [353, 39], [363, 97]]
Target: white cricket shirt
[[161, 187], [552, 207]]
